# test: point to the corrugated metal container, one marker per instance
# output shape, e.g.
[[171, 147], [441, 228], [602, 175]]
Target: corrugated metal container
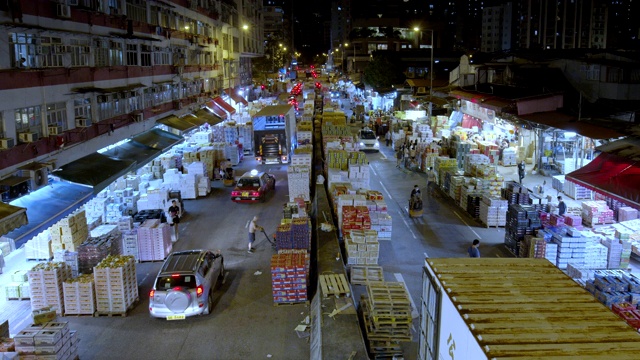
[[520, 309]]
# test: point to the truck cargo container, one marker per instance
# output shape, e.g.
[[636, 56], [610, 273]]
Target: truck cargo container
[[274, 134], [524, 309]]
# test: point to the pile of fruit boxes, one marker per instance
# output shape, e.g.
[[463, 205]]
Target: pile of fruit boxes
[[70, 232], [289, 276], [18, 288], [51, 340], [154, 240], [362, 247], [294, 233], [45, 282], [115, 285], [299, 179], [79, 295]]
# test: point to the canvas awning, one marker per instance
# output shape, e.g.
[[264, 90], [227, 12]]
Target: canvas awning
[[158, 139], [570, 123], [177, 123], [133, 151], [95, 170], [11, 217], [224, 105], [611, 175], [628, 148], [237, 98], [209, 117], [217, 110]]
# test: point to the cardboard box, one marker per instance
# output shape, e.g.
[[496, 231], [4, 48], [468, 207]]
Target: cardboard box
[[44, 315]]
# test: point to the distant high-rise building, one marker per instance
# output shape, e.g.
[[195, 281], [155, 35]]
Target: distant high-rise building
[[497, 28], [561, 25]]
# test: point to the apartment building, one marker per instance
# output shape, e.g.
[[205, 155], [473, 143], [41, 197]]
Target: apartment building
[[78, 75]]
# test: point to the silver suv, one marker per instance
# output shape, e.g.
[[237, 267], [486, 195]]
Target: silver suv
[[185, 283]]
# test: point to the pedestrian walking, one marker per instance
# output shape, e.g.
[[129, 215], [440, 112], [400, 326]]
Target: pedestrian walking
[[399, 154], [473, 250], [562, 207], [521, 171], [253, 227], [174, 215], [431, 181], [387, 137]]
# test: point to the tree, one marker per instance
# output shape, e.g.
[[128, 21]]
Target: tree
[[383, 71]]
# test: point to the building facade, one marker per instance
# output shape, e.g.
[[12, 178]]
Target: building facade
[[82, 74]]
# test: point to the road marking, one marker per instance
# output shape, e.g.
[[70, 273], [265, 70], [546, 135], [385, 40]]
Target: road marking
[[144, 278], [386, 191], [407, 224], [414, 311], [464, 222], [383, 155], [373, 169]]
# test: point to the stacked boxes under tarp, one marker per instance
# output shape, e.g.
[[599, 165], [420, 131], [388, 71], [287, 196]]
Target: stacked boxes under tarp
[[91, 252], [49, 341], [386, 313], [79, 295], [289, 276], [521, 221], [614, 287], [45, 283], [154, 240], [362, 247], [115, 284], [299, 178]]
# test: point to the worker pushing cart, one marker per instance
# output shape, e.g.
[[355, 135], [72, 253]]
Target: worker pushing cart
[[415, 202]]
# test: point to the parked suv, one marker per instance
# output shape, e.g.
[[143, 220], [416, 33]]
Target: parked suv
[[185, 283]]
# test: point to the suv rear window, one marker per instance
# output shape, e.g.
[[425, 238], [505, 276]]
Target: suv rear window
[[367, 135], [169, 282]]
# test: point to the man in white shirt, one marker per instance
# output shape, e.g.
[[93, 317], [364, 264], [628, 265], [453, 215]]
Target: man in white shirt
[[253, 227]]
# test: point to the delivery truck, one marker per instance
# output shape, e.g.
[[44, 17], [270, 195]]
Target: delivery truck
[[274, 134], [506, 308]]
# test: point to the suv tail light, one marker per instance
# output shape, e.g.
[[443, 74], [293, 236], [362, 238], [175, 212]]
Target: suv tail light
[[151, 294], [235, 193], [199, 290], [255, 193]]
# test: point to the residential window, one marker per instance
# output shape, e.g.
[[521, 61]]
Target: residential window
[[101, 53], [145, 55], [28, 119], [82, 109], [2, 134], [24, 52], [79, 53], [115, 53], [161, 56], [57, 115], [52, 51], [133, 101], [132, 54]]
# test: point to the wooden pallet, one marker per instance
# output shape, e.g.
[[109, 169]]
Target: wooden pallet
[[18, 298], [79, 315], [381, 334], [362, 274], [334, 284], [291, 303], [383, 295], [385, 349]]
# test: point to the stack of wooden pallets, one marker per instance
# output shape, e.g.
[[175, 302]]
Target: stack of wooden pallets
[[386, 314]]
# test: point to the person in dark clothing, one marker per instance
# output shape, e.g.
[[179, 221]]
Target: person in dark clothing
[[521, 171], [473, 250], [174, 214], [562, 207], [416, 191]]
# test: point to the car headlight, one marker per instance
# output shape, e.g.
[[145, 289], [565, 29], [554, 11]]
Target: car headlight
[[361, 144], [377, 144]]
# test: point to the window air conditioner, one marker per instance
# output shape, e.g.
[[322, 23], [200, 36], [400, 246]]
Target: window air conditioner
[[28, 137], [55, 130], [82, 122], [63, 11], [138, 117], [7, 143]]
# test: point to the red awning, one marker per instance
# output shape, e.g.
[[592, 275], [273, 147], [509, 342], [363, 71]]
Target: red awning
[[237, 98], [611, 175], [224, 105], [216, 109]]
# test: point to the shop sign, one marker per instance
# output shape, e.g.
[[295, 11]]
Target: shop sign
[[477, 111]]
